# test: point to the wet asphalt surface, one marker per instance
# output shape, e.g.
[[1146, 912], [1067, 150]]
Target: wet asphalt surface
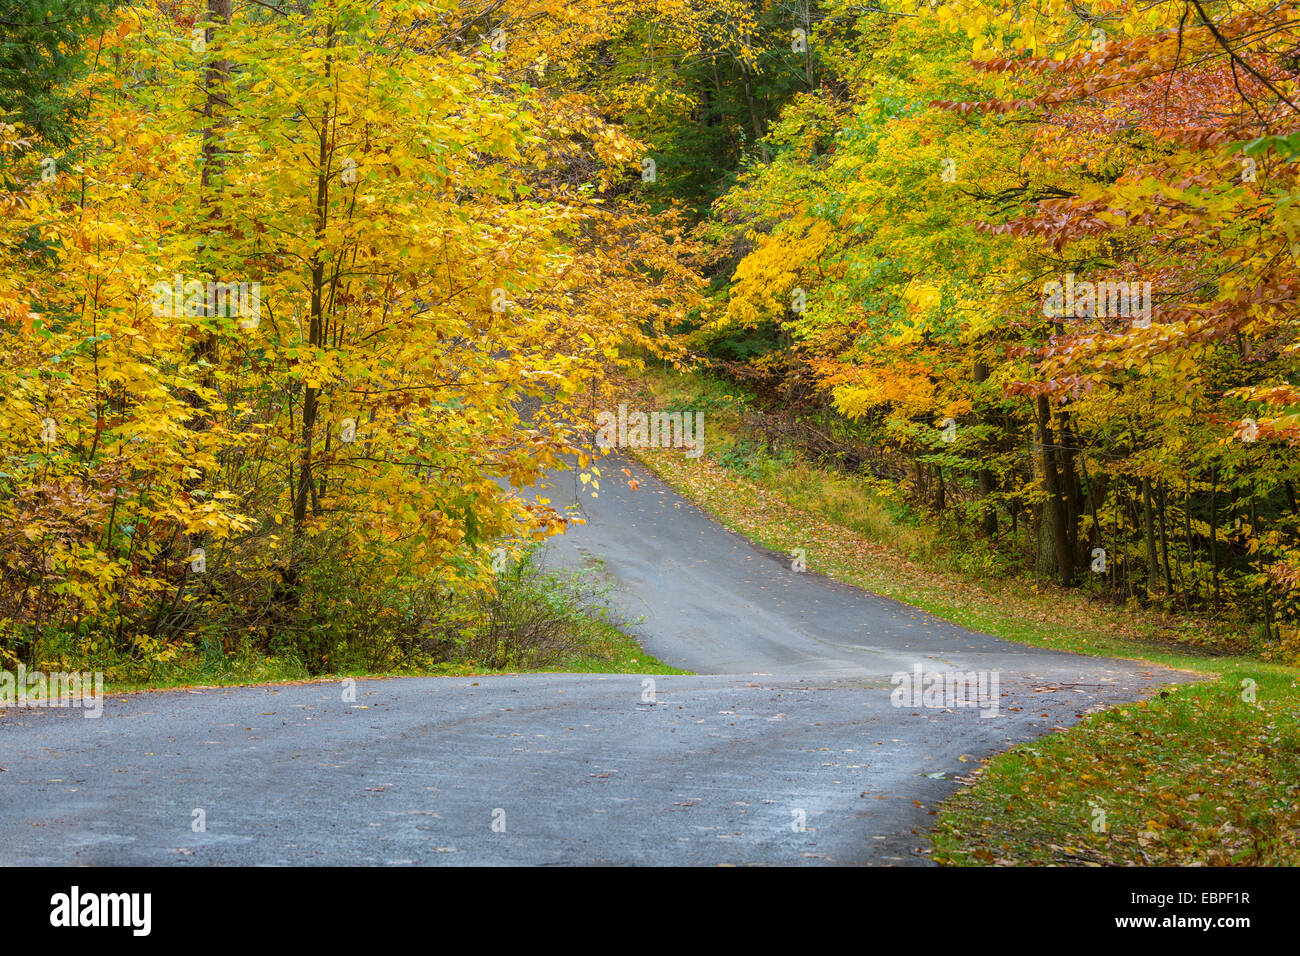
[[786, 749]]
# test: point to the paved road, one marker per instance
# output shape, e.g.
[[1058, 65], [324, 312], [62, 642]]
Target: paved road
[[785, 750]]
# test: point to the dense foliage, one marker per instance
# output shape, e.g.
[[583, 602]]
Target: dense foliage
[[1043, 252], [306, 307], [297, 295]]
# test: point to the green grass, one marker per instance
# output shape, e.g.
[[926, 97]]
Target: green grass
[[607, 650], [1195, 774], [602, 649]]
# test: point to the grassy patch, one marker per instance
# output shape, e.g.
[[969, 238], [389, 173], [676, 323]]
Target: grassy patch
[[1194, 775], [600, 648], [1197, 775]]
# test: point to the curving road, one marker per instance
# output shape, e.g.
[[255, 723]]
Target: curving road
[[785, 750]]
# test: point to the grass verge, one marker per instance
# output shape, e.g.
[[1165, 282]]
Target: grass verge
[[531, 621]]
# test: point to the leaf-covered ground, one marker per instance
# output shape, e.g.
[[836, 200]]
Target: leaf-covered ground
[[1195, 776]]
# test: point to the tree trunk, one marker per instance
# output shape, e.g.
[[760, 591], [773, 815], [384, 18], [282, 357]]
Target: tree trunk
[[1153, 567], [1164, 541], [987, 483], [1056, 508], [1214, 534], [213, 171], [316, 331], [1071, 488], [754, 119]]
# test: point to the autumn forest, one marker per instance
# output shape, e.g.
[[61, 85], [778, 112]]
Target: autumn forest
[[296, 296]]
